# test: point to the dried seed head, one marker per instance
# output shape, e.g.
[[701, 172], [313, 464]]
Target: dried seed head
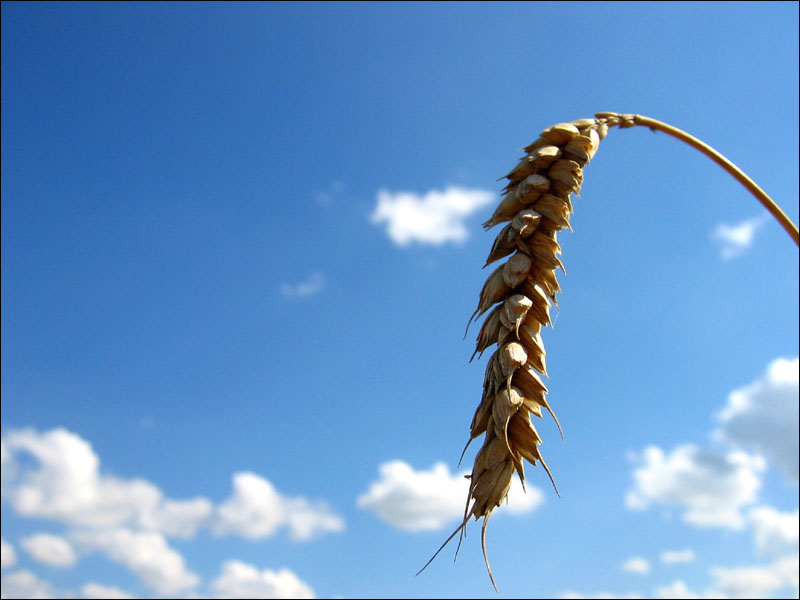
[[536, 204]]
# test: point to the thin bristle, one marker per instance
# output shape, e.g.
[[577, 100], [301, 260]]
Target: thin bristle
[[486, 556], [447, 541]]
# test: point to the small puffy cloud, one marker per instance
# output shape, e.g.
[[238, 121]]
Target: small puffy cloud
[[50, 550], [95, 591], [672, 557], [147, 554], [24, 585], [776, 532], [679, 590], [637, 565], [240, 580], [599, 595], [734, 240], [430, 499], [63, 483], [310, 286], [435, 218], [763, 416], [710, 486], [416, 500], [256, 510], [8, 557], [758, 582]]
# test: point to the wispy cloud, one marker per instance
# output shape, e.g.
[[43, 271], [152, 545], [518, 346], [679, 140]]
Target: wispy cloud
[[24, 584], [8, 556], [311, 286], [430, 499], [757, 582], [49, 549], [435, 217], [93, 590], [672, 557], [328, 195], [637, 565], [679, 590], [734, 240]]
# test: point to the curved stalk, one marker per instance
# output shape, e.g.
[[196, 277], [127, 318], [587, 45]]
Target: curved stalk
[[736, 172]]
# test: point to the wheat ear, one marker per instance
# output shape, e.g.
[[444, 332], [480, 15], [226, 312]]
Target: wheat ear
[[537, 204]]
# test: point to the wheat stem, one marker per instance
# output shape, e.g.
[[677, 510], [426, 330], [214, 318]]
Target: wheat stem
[[718, 158]]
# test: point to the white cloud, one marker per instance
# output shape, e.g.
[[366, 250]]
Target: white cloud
[[145, 553], [757, 582], [311, 286], [434, 218], [636, 564], [256, 510], [764, 416], [711, 487], [678, 589], [416, 500], [734, 240], [429, 500], [521, 501], [50, 550], [67, 487], [672, 557], [95, 591], [24, 584], [600, 595], [8, 557], [240, 580], [176, 518], [776, 533]]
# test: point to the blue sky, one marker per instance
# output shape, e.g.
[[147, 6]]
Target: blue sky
[[240, 245]]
